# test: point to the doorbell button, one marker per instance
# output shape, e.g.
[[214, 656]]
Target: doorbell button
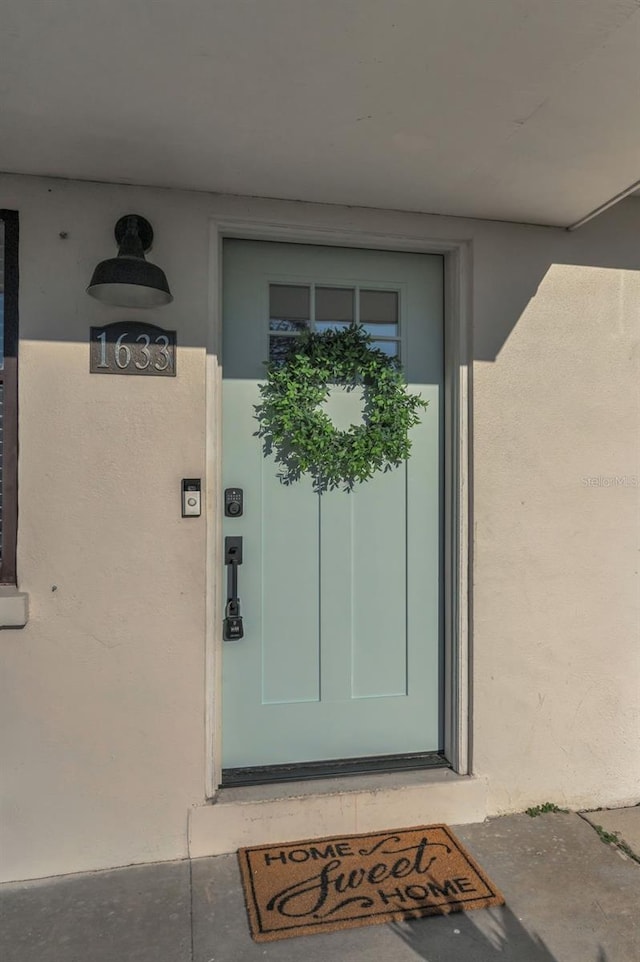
[[191, 498]]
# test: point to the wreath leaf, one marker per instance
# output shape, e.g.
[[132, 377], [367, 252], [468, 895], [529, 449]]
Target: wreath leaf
[[303, 437]]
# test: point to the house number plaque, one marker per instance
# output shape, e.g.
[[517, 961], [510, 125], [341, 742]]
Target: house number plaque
[[132, 347]]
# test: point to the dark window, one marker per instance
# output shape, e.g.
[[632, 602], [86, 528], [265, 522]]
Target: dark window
[[8, 394]]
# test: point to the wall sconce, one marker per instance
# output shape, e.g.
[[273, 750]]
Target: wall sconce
[[128, 280]]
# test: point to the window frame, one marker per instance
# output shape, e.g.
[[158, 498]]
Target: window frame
[[9, 380], [356, 289]]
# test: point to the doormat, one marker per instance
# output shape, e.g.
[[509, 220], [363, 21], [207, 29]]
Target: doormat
[[326, 884]]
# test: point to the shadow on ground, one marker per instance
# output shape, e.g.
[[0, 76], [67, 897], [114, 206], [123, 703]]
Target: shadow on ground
[[490, 935]]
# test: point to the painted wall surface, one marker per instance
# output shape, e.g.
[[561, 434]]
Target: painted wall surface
[[102, 710]]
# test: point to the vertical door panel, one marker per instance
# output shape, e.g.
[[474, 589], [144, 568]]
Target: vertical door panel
[[290, 596], [380, 587]]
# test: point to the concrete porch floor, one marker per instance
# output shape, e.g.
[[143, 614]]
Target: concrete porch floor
[[570, 898]]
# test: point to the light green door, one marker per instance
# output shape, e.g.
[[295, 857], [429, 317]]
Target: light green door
[[340, 592]]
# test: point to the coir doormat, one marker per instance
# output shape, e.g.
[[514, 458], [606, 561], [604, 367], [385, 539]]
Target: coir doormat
[[321, 885]]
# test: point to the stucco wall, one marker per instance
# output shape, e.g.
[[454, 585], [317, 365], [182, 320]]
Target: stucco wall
[[103, 701]]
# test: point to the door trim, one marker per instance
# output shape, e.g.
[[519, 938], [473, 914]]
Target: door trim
[[458, 471]]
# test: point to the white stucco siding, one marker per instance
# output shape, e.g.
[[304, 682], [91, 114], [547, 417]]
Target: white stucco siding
[[557, 468], [104, 699], [102, 714]]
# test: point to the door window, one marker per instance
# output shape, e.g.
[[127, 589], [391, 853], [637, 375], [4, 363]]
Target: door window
[[294, 308]]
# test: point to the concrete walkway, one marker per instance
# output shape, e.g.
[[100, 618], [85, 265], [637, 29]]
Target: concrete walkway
[[570, 898]]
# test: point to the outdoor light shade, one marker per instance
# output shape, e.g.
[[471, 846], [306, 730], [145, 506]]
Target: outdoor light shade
[[128, 280]]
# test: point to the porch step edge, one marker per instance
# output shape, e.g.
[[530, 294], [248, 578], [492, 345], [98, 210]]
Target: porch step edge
[[224, 826]]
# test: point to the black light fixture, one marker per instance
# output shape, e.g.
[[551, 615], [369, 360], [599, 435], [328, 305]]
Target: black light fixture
[[128, 280]]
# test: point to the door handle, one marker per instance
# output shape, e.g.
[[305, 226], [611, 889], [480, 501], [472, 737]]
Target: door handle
[[233, 629]]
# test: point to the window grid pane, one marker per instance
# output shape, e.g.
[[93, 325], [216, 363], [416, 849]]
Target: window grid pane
[[392, 348], [334, 305], [289, 302], [280, 347], [379, 307], [289, 316]]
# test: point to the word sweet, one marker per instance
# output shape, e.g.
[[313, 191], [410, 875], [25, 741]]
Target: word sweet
[[338, 885]]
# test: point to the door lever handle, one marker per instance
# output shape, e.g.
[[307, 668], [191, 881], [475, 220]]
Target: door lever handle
[[233, 629]]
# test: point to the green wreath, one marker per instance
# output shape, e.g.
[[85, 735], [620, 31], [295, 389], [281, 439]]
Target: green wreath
[[304, 438]]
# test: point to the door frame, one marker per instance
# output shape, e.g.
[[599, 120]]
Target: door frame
[[457, 471]]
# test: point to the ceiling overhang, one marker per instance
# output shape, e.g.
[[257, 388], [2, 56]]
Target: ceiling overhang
[[514, 110]]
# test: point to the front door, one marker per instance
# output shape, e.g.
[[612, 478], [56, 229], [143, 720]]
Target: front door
[[340, 592]]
